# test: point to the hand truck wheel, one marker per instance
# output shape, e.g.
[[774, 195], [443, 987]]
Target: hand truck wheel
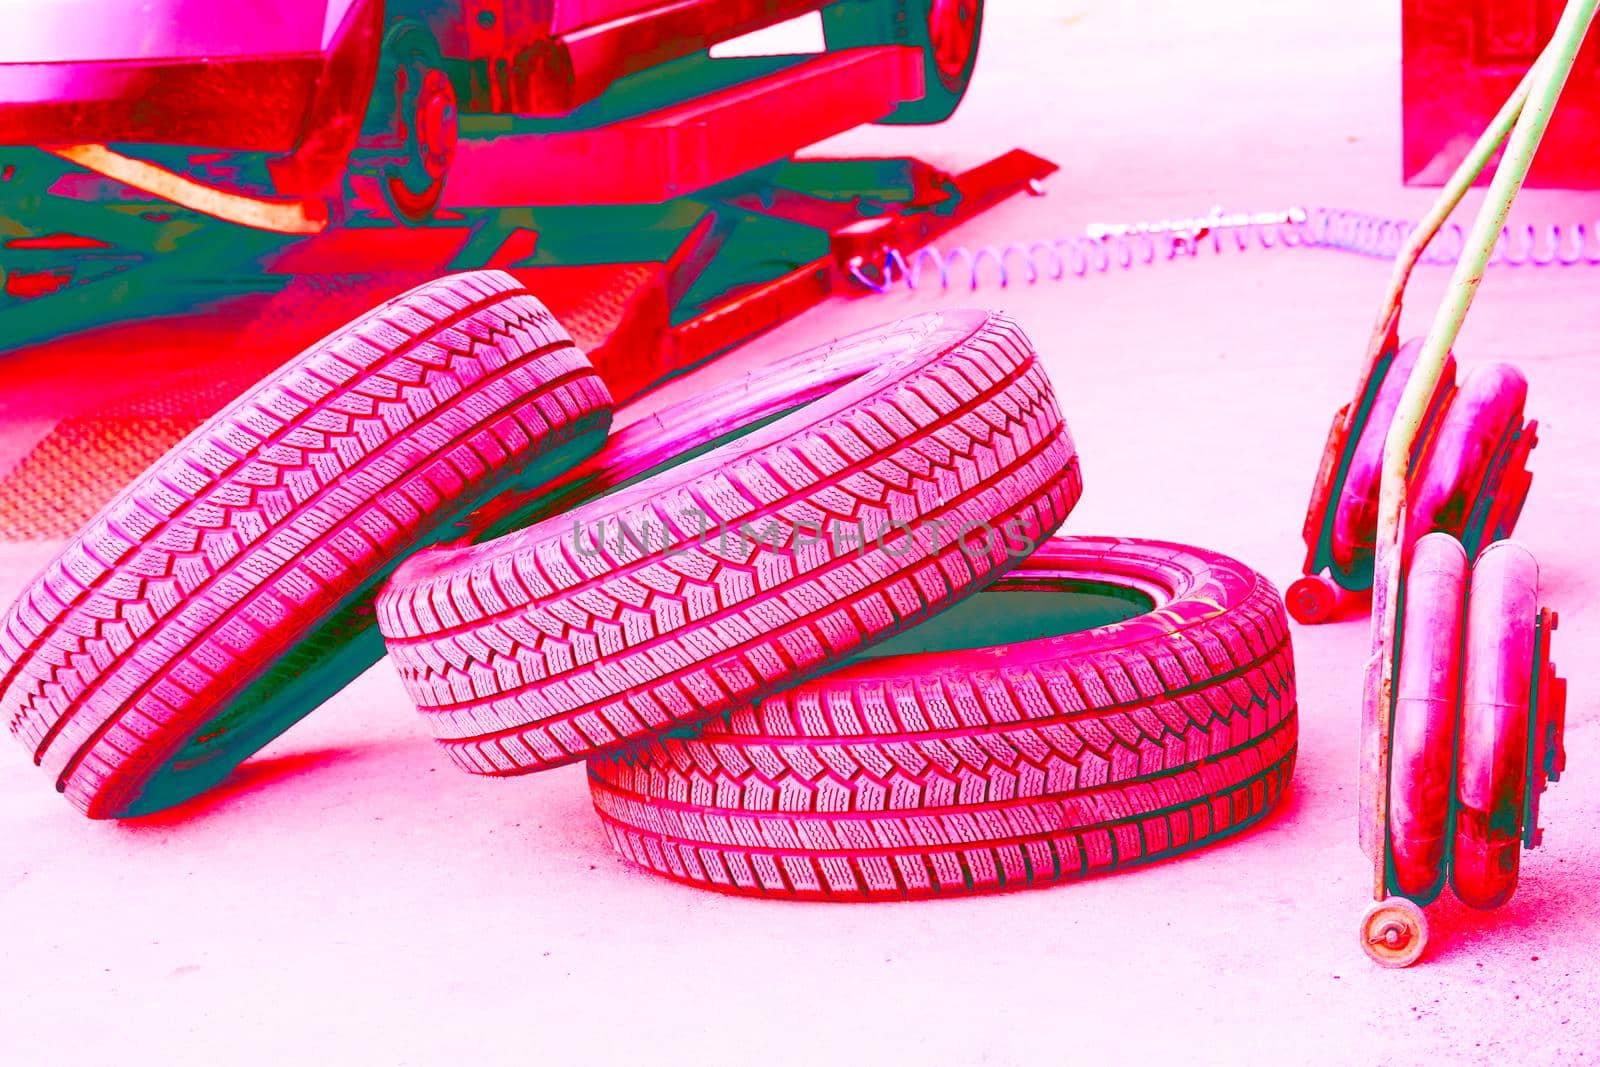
[[1394, 932], [1317, 598]]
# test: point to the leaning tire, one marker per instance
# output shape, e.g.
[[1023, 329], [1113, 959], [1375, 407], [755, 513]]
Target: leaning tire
[[639, 612], [228, 591], [947, 32], [1143, 706]]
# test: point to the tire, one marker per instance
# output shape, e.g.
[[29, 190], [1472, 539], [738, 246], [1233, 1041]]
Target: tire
[[947, 32], [568, 638], [1144, 707], [1496, 689], [228, 591], [1427, 708], [1473, 432]]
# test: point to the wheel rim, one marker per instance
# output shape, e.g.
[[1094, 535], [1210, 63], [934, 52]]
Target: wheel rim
[[430, 132], [953, 31]]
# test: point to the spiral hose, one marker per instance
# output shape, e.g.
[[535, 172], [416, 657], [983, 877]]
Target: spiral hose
[[1102, 247]]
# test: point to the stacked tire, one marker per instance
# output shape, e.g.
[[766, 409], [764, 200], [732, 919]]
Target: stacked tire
[[1162, 726], [761, 563], [812, 634]]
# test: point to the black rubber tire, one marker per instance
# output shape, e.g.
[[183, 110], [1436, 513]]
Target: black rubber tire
[[871, 23], [1135, 701], [564, 640]]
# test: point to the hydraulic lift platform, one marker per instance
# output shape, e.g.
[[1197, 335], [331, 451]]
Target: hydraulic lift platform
[[660, 232]]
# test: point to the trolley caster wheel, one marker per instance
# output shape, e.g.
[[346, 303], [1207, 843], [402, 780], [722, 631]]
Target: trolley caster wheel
[[1317, 598], [1394, 932]]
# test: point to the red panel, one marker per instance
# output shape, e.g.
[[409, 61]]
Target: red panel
[[256, 104], [1462, 58], [270, 100], [684, 148]]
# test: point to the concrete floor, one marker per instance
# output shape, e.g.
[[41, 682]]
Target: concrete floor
[[350, 898]]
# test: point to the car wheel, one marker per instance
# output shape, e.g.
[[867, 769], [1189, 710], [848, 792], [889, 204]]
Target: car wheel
[[947, 32], [228, 591], [414, 122]]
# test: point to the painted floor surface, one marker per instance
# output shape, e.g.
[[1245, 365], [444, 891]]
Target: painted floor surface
[[351, 898]]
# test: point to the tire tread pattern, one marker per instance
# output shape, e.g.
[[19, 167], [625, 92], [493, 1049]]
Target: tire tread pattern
[[529, 653], [220, 558], [927, 775]]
